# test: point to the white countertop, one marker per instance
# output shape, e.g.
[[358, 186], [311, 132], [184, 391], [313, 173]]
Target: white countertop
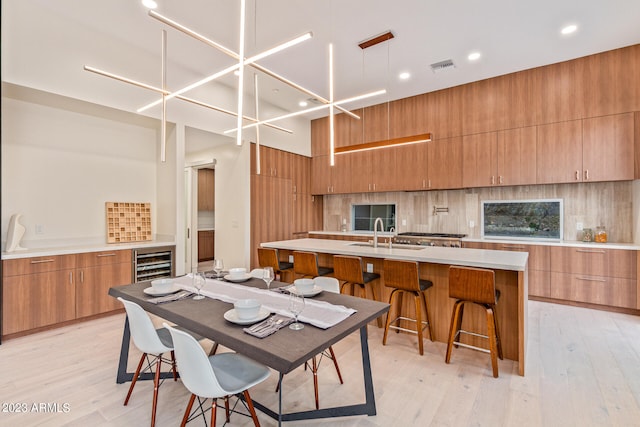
[[501, 260], [570, 243], [77, 247]]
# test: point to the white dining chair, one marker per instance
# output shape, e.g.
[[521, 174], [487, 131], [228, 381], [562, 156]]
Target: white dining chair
[[328, 284], [152, 343], [213, 377]]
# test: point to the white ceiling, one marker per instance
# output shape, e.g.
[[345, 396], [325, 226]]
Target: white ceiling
[[46, 43]]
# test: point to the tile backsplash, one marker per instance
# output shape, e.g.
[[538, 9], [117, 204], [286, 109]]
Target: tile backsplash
[[604, 203]]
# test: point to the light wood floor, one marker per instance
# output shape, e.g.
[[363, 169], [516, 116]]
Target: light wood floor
[[583, 369]]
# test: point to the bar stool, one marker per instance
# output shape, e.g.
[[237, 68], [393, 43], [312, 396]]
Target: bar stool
[[306, 264], [477, 286], [350, 270], [268, 257], [403, 276]]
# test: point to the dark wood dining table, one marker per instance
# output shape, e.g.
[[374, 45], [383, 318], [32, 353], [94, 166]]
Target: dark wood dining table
[[282, 351]]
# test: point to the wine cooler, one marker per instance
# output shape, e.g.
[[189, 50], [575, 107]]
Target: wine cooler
[[153, 263]]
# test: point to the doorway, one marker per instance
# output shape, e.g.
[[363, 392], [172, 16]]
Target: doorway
[[200, 215]]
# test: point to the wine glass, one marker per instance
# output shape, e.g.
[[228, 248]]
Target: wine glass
[[198, 282], [218, 266], [268, 276], [296, 305]]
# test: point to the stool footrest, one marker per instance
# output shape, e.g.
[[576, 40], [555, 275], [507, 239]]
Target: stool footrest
[[473, 347], [412, 331]]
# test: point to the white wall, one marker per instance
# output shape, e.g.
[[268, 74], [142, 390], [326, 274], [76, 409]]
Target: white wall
[[60, 165]]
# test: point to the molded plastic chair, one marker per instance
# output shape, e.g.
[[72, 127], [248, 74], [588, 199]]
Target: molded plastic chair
[[268, 257], [403, 276], [329, 284], [151, 342], [306, 264], [213, 377], [350, 270], [477, 286]]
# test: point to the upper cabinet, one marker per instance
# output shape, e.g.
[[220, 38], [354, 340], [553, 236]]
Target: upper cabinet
[[206, 190], [506, 157], [560, 123], [596, 149]]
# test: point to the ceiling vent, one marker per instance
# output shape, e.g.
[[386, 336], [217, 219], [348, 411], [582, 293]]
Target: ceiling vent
[[314, 101], [441, 66]]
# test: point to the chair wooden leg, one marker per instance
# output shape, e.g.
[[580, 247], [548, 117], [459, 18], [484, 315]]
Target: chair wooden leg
[[498, 340], [426, 310], [453, 328], [252, 410], [459, 322], [335, 363], [156, 386], [388, 322], [135, 378], [399, 306], [214, 410], [314, 362], [173, 366], [493, 348], [185, 417], [416, 300], [227, 412]]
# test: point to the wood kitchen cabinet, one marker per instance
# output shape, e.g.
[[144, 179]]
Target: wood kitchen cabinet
[[206, 242], [96, 272], [327, 179], [444, 163], [412, 171], [538, 263], [499, 158], [206, 190], [594, 275], [44, 291], [595, 149]]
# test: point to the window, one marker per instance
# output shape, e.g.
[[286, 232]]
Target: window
[[363, 217], [522, 219]]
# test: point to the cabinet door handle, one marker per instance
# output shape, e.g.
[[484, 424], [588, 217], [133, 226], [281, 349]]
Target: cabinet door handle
[[294, 189], [513, 247], [501, 180], [429, 184], [40, 261], [104, 255], [577, 175], [591, 251], [493, 180], [374, 187], [424, 183], [591, 279], [71, 277], [586, 174], [81, 276]]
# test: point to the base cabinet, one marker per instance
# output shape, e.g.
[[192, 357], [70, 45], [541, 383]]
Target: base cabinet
[[44, 291], [206, 243], [602, 290]]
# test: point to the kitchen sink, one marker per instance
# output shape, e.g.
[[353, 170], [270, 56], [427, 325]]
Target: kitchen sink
[[382, 245]]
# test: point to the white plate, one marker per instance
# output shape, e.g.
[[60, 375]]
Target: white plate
[[244, 278], [312, 293], [151, 291], [232, 317]]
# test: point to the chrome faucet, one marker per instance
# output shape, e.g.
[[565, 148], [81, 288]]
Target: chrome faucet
[[375, 231]]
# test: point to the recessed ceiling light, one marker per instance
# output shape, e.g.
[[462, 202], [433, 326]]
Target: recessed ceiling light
[[303, 103], [149, 4], [404, 76], [473, 56], [569, 29]]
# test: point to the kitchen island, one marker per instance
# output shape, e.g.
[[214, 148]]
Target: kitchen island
[[511, 280]]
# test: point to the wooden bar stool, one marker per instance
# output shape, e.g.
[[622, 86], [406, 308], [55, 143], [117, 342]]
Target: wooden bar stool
[[477, 286], [306, 264], [403, 276], [350, 270], [268, 257]]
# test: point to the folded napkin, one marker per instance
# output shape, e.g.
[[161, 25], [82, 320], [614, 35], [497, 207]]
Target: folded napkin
[[268, 326], [168, 298]]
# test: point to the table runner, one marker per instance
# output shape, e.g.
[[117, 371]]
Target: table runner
[[317, 313]]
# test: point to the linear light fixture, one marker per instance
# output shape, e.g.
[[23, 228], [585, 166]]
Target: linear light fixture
[[388, 143], [310, 110], [180, 97], [332, 159], [241, 60]]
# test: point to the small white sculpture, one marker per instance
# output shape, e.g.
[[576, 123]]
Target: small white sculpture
[[14, 235]]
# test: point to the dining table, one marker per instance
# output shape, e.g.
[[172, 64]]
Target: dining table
[[283, 351]]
